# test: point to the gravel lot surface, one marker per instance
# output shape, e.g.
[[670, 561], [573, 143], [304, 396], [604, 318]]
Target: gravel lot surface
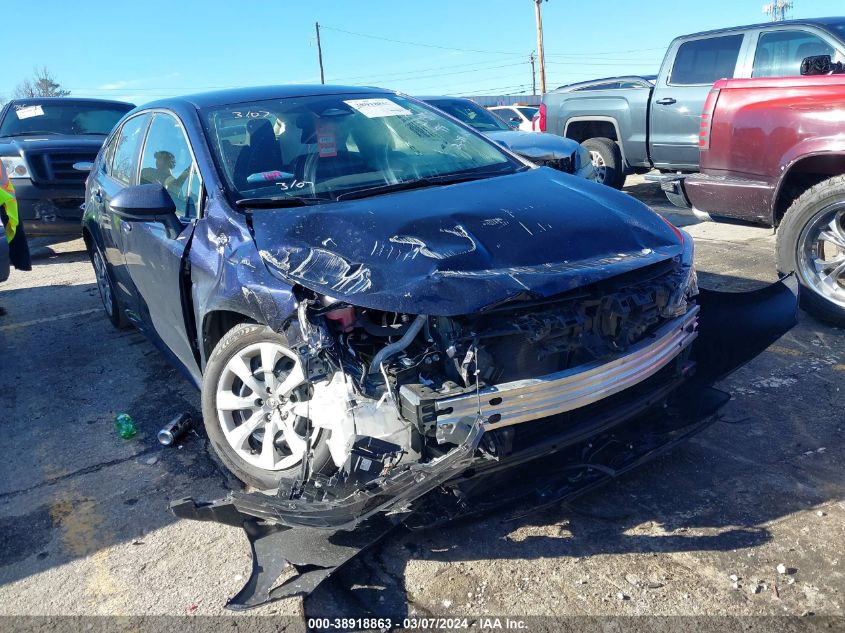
[[84, 525]]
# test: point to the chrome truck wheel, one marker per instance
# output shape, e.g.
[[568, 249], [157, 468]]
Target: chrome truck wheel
[[811, 242], [821, 253]]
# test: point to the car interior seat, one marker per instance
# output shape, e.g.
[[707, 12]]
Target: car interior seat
[[262, 154]]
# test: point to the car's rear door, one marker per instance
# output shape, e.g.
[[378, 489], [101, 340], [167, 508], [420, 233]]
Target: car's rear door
[[115, 171], [155, 259], [679, 94]]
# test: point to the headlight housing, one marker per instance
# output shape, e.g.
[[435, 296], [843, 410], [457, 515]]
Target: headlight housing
[[687, 277], [16, 166]]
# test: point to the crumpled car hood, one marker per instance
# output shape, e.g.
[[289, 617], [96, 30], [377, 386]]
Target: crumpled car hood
[[460, 248], [534, 145]]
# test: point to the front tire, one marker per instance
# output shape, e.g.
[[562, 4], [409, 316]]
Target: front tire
[[811, 242], [607, 160], [251, 381]]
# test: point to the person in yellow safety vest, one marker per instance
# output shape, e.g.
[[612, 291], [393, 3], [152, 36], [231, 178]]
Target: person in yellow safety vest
[[12, 227]]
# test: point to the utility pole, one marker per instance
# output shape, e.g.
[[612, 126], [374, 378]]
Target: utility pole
[[320, 54], [777, 9], [531, 59], [541, 58]]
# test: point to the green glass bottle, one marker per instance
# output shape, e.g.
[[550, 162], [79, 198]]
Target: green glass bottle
[[125, 426]]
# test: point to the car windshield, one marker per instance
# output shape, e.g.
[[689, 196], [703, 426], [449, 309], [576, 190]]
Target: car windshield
[[470, 113], [61, 117], [321, 147]]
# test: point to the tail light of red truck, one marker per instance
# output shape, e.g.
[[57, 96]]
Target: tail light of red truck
[[538, 121], [707, 119]]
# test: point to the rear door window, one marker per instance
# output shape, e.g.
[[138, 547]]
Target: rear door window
[[125, 160], [779, 53], [705, 61]]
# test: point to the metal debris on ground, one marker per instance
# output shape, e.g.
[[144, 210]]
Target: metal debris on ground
[[175, 429]]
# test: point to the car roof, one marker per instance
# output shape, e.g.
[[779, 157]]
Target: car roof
[[46, 100], [837, 20], [261, 93]]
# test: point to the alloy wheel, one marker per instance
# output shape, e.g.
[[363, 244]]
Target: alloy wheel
[[255, 397], [821, 253], [599, 165], [103, 283]]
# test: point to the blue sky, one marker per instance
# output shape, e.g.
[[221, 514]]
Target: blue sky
[[141, 51]]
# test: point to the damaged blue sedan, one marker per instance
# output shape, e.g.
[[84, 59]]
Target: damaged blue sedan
[[377, 301]]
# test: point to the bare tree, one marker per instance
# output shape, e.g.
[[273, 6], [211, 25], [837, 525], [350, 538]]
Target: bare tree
[[42, 84]]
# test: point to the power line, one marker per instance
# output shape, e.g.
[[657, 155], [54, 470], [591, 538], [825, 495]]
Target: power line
[[486, 52]]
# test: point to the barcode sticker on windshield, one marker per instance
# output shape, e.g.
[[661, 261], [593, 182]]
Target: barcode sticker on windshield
[[377, 108], [27, 112]]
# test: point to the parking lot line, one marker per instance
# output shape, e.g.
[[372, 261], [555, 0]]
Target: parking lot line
[[67, 315]]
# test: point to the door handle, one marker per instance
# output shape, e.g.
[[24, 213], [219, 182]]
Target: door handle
[[666, 101], [125, 226], [98, 196]]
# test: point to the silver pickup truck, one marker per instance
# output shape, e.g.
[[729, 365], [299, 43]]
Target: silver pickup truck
[[635, 124]]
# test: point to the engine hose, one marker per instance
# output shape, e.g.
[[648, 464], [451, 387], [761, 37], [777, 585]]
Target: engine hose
[[394, 348]]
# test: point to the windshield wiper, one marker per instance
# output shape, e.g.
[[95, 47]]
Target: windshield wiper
[[417, 183], [279, 202]]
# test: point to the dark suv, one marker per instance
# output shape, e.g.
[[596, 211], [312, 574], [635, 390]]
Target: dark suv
[[48, 145]]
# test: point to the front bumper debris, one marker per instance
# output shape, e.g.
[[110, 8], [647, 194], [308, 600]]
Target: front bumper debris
[[318, 533], [530, 399]]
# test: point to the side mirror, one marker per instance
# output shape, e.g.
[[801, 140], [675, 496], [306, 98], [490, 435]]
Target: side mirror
[[818, 65], [147, 203]]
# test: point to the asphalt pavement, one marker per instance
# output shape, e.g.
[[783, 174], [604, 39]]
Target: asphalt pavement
[[85, 526]]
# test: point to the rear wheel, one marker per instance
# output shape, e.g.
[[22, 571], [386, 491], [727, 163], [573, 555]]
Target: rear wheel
[[251, 385], [607, 160], [811, 242], [111, 304]]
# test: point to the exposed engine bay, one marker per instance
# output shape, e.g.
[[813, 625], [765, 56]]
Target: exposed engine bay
[[399, 389]]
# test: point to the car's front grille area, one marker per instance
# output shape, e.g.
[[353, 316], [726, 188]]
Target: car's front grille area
[[56, 167]]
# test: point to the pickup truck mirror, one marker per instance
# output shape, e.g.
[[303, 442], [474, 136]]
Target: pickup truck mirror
[[816, 65], [147, 203]]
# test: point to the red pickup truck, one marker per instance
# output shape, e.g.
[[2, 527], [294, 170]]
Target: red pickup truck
[[773, 152]]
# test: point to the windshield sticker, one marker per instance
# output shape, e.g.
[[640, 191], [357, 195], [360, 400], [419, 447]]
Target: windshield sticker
[[28, 112], [377, 108], [326, 140], [268, 176]]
